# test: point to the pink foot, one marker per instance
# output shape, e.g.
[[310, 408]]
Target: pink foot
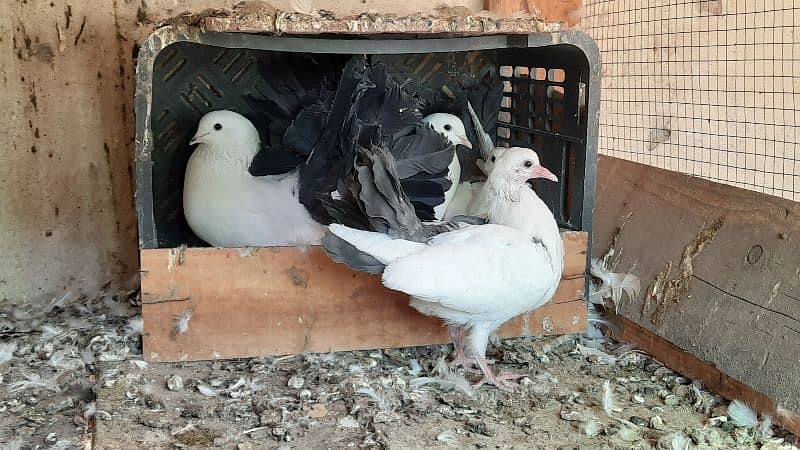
[[502, 381]]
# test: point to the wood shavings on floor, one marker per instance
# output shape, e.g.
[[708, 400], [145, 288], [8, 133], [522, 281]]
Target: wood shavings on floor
[[64, 387]]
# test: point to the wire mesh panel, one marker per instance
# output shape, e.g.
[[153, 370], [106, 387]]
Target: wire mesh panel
[[705, 87]]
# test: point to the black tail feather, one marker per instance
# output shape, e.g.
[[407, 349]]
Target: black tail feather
[[343, 252]]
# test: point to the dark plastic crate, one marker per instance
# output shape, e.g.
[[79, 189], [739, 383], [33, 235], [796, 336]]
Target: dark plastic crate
[[550, 104]]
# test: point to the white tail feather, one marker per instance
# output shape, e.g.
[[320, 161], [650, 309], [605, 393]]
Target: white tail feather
[[378, 245], [741, 415], [613, 285]]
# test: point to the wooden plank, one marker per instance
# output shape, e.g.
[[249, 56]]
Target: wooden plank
[[689, 366], [275, 301], [720, 270]]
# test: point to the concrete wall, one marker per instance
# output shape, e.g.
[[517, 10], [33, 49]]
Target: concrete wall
[[67, 220], [708, 88]]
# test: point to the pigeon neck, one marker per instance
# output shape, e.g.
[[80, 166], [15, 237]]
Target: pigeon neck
[[226, 161], [519, 207]]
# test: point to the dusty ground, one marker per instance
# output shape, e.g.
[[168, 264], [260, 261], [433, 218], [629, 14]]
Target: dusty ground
[[76, 373]]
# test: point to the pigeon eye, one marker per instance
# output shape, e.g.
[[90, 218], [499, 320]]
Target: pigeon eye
[[217, 126], [528, 164], [494, 158], [448, 127]]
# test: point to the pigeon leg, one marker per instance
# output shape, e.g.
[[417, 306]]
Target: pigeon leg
[[460, 358], [499, 379], [457, 335]]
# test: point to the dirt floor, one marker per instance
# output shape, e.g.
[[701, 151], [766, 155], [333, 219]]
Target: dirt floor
[[72, 376]]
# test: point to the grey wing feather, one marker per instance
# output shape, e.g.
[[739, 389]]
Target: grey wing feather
[[343, 252], [485, 144]]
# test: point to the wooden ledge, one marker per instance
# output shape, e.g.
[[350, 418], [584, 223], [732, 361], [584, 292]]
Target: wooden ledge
[[281, 300]]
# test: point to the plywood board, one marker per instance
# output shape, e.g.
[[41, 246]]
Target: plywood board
[[275, 301], [720, 270]]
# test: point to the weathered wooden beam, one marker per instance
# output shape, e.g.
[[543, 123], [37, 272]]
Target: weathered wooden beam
[[277, 301], [720, 270], [714, 380]]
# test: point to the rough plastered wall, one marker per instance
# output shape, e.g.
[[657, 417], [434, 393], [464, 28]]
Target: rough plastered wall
[[705, 87], [67, 220]]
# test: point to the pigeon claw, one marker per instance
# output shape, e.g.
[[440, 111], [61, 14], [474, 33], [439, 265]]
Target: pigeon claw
[[503, 381]]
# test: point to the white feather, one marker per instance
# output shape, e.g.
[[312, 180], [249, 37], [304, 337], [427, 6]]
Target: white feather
[[370, 392], [34, 381], [7, 350], [608, 398], [741, 415], [445, 379], [766, 426], [415, 369], [51, 333], [89, 410], [135, 326], [602, 357], [182, 321], [613, 285], [207, 391], [679, 441], [140, 363], [87, 357], [58, 302]]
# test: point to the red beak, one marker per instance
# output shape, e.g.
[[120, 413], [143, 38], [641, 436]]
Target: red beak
[[542, 172]]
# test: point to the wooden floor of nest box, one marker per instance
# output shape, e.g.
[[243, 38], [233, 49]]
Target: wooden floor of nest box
[[235, 303]]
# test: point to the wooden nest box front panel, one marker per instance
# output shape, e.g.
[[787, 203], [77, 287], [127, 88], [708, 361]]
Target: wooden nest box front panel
[[233, 303]]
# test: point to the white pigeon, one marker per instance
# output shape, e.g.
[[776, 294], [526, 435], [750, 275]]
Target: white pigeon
[[452, 128], [228, 207], [470, 197], [478, 277]]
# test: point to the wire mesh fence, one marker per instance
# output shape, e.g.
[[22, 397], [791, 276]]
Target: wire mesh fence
[[705, 87]]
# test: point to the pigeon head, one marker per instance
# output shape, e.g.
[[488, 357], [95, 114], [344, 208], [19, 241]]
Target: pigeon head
[[517, 165], [488, 165], [449, 126], [228, 132]]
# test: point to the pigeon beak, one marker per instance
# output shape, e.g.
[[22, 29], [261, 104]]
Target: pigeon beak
[[542, 172], [465, 142], [198, 138]]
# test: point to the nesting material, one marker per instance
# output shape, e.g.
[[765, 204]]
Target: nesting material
[[137, 406]]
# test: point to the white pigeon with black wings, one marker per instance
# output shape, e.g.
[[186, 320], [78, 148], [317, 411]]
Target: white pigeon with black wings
[[227, 206], [474, 278]]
